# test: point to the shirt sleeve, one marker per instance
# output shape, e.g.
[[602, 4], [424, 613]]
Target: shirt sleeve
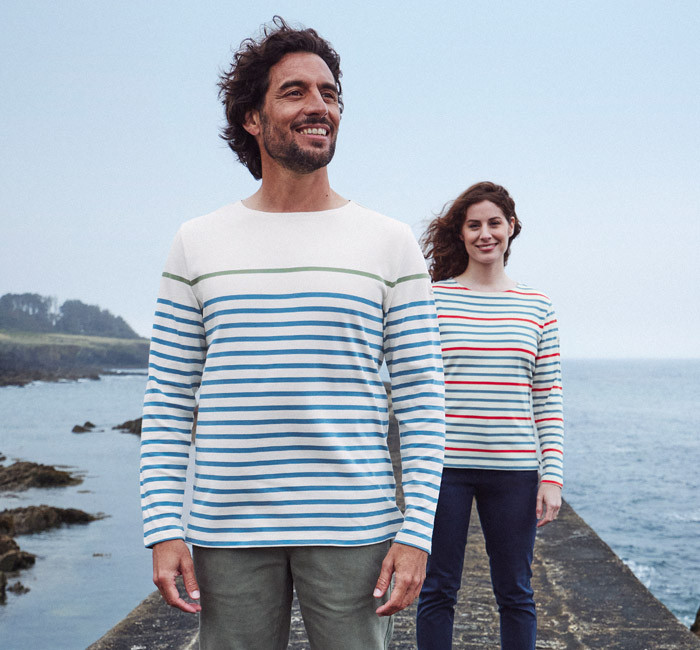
[[413, 358], [177, 354], [547, 402]]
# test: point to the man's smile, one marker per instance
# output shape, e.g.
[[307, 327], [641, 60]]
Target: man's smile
[[314, 131]]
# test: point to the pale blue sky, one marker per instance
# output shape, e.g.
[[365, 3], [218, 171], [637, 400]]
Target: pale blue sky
[[588, 112]]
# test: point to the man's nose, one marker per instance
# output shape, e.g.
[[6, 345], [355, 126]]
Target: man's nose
[[315, 104]]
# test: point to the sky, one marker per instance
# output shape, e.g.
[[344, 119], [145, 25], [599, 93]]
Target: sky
[[588, 112]]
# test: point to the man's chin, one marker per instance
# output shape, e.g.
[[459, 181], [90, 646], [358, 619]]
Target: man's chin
[[308, 164]]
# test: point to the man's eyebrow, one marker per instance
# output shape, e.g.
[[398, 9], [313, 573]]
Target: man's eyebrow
[[295, 83]]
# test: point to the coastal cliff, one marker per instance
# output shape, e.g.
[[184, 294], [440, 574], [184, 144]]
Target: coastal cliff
[[31, 356]]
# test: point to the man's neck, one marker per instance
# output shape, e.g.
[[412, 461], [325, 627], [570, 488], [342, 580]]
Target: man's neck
[[285, 191]]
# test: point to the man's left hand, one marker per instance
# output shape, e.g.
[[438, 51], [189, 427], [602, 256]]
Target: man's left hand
[[408, 565]]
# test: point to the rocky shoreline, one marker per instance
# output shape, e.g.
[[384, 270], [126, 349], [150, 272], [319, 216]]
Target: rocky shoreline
[[14, 522], [27, 520], [25, 377]]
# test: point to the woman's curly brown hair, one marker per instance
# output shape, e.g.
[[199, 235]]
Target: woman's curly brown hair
[[442, 244], [243, 86]]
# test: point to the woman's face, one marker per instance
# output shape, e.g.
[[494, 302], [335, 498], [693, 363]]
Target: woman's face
[[485, 233]]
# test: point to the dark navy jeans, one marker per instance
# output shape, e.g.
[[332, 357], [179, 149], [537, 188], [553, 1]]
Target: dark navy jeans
[[506, 502]]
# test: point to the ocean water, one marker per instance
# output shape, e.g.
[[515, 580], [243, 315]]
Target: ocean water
[[86, 578], [631, 468], [631, 471]]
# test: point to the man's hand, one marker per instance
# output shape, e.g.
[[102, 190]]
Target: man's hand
[[408, 563], [548, 503], [172, 559]]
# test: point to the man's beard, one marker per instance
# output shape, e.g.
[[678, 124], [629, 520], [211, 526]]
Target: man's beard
[[289, 154]]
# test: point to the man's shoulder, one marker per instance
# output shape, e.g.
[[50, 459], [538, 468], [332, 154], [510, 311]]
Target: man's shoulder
[[210, 219], [378, 220]]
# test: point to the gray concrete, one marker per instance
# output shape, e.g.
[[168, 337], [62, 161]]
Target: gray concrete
[[586, 598]]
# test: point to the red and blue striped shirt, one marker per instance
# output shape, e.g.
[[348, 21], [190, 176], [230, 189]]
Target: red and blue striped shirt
[[503, 391]]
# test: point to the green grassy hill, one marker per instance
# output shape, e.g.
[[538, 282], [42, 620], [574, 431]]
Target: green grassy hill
[[26, 356]]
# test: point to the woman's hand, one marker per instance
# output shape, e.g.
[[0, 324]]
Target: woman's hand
[[548, 503]]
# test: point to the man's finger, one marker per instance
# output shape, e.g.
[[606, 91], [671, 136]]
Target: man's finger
[[384, 579], [189, 579], [403, 594], [168, 590], [394, 604]]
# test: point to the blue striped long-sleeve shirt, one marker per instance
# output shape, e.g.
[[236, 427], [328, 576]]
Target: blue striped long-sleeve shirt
[[276, 325]]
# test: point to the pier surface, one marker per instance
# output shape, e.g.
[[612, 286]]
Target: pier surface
[[586, 598]]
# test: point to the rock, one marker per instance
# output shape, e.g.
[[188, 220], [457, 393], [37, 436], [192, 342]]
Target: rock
[[83, 428], [695, 627], [18, 588], [23, 475], [2, 458], [12, 558], [7, 544], [33, 519], [7, 526], [130, 426], [16, 560]]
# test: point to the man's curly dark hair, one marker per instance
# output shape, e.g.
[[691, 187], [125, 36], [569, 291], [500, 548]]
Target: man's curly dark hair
[[243, 86], [442, 245]]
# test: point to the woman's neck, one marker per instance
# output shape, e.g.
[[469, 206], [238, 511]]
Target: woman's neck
[[486, 278]]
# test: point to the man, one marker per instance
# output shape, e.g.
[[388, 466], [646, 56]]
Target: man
[[280, 309]]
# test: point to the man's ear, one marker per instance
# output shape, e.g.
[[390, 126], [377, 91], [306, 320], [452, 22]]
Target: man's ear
[[252, 122]]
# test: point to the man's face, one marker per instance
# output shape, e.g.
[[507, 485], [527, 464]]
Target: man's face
[[298, 123]]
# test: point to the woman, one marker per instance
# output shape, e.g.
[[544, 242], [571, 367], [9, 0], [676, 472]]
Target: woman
[[503, 400]]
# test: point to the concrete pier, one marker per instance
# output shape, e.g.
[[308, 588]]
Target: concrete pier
[[586, 599]]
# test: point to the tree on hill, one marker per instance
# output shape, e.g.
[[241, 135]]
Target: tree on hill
[[78, 318], [30, 312]]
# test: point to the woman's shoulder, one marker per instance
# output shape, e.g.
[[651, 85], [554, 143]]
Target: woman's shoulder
[[525, 289]]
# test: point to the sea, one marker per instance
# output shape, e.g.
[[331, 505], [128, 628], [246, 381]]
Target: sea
[[631, 471]]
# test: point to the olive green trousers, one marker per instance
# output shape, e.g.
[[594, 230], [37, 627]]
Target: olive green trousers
[[246, 597]]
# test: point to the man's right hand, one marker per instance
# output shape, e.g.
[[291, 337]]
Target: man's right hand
[[172, 559]]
